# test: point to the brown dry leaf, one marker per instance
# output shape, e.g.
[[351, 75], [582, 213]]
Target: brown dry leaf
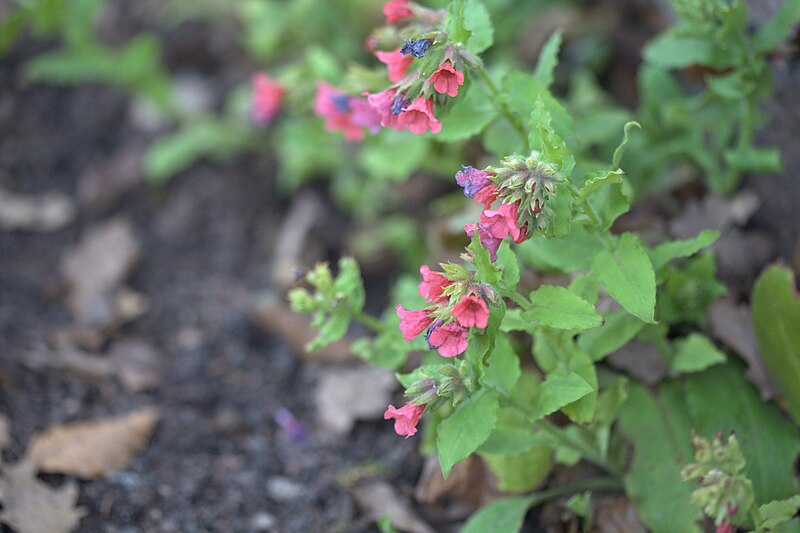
[[30, 506], [714, 213], [45, 213], [617, 515], [90, 367], [344, 395], [95, 268], [467, 482], [380, 499], [733, 325], [641, 360], [89, 450], [137, 364], [105, 182]]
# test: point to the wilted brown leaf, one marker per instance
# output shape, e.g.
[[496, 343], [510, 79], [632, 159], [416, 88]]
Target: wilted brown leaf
[[466, 482], [137, 364], [48, 212], [344, 395], [380, 499], [617, 515], [30, 506], [95, 267], [641, 360], [90, 450], [714, 213]]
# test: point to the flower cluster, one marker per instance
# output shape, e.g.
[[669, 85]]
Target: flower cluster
[[521, 186], [457, 304], [266, 98], [345, 113]]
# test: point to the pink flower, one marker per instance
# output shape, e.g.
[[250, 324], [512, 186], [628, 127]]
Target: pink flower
[[432, 286], [381, 103], [363, 115], [418, 117], [396, 63], [473, 180], [486, 196], [489, 241], [503, 222], [451, 339], [447, 79], [397, 10], [405, 419], [345, 113], [266, 98], [471, 311], [412, 323]]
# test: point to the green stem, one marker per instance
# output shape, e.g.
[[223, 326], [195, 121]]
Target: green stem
[[600, 483], [516, 297], [501, 106], [755, 514], [371, 322]]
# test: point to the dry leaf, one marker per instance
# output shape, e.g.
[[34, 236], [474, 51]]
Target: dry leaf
[[95, 268], [137, 364], [45, 213], [30, 506], [380, 499], [86, 366], [104, 183], [466, 482], [344, 395], [90, 450], [641, 360], [617, 515], [733, 325]]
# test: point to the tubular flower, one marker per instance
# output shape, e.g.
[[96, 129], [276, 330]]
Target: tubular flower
[[266, 99], [381, 103], [345, 113], [395, 10], [488, 240], [396, 63], [450, 339], [472, 180], [503, 222], [412, 323], [471, 311], [447, 79], [405, 419], [418, 117], [432, 285]]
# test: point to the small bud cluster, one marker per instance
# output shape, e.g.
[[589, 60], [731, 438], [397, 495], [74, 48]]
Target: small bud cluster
[[266, 98], [724, 489], [457, 304]]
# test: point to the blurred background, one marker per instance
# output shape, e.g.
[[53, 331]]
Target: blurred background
[[149, 231]]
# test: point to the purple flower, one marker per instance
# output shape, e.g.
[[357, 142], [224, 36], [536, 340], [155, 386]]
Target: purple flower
[[399, 105], [416, 47], [473, 180]]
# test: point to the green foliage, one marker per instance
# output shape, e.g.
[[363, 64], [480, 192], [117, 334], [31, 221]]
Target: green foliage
[[776, 316], [501, 516], [466, 429], [695, 353], [557, 307], [470, 23], [627, 274]]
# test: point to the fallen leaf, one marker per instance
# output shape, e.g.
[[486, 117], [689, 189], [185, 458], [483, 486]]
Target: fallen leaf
[[90, 367], [137, 364], [733, 325], [617, 515], [103, 184], [380, 499], [641, 360], [466, 482], [48, 212], [89, 450], [31, 506], [742, 254], [344, 395], [715, 213], [95, 268]]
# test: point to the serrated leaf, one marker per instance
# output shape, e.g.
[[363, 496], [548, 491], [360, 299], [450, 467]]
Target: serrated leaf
[[627, 275], [557, 390], [557, 307], [501, 516], [776, 320], [466, 429], [659, 429], [666, 252], [548, 60], [615, 160], [596, 181], [695, 353], [777, 512]]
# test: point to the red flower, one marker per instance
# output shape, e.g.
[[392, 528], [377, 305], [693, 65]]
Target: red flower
[[418, 117], [503, 222], [266, 98], [345, 113], [486, 196], [432, 285], [405, 419], [396, 63], [412, 323], [381, 103], [451, 339], [471, 311], [447, 79], [397, 10]]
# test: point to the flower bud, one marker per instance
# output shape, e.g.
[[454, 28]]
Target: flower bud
[[301, 301]]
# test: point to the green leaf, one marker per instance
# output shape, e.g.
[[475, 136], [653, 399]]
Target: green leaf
[[627, 275], [520, 93], [778, 512], [331, 331], [520, 472], [666, 252], [611, 201], [557, 390], [504, 369], [695, 353], [548, 60], [557, 307], [720, 399], [543, 137], [610, 401], [624, 144], [348, 285], [777, 29], [501, 516], [669, 50], [567, 254], [393, 156], [468, 117], [595, 181], [507, 261], [753, 159], [660, 430], [479, 23], [511, 440], [776, 320], [687, 292], [619, 328], [485, 270], [514, 320], [466, 429]]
